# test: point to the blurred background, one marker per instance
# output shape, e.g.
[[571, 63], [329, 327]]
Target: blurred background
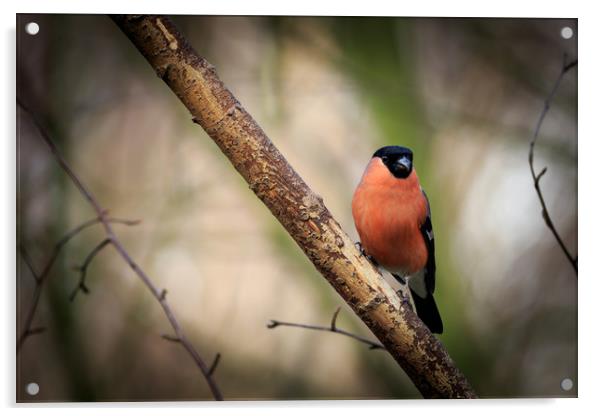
[[464, 94]]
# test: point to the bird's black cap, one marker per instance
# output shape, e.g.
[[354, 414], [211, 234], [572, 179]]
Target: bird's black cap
[[397, 159]]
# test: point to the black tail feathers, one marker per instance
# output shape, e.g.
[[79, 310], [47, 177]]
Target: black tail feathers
[[427, 311]]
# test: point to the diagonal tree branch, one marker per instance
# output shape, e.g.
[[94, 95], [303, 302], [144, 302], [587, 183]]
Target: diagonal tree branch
[[41, 278], [160, 295], [537, 177], [301, 212], [332, 328]]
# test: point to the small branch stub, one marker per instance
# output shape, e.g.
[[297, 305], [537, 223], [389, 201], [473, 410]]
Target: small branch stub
[[215, 363], [333, 322]]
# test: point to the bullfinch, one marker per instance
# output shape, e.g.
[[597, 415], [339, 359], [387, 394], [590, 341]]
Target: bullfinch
[[392, 216]]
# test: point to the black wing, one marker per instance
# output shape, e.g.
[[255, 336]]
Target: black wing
[[429, 238], [426, 308]]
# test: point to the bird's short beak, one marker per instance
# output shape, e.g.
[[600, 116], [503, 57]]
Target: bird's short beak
[[403, 164]]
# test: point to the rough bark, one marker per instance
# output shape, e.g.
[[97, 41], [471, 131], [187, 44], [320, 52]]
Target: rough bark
[[301, 211]]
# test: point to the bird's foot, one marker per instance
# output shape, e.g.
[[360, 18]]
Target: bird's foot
[[405, 300], [359, 246]]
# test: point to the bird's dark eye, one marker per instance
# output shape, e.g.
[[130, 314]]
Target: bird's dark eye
[[385, 159]]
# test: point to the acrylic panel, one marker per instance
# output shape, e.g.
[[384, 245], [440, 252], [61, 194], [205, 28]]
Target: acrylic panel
[[185, 222]]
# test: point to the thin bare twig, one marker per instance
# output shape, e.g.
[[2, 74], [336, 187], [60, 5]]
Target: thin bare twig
[[83, 269], [537, 177], [171, 338], [29, 263], [115, 242], [215, 363], [40, 278], [373, 345]]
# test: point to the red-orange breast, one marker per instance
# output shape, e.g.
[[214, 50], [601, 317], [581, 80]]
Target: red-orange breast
[[388, 213]]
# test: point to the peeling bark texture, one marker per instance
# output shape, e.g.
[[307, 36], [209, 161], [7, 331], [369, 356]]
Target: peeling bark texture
[[300, 211]]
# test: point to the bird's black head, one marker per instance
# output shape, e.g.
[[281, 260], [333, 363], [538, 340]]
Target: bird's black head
[[397, 159]]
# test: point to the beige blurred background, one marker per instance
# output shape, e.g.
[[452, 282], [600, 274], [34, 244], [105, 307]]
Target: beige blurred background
[[464, 94]]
